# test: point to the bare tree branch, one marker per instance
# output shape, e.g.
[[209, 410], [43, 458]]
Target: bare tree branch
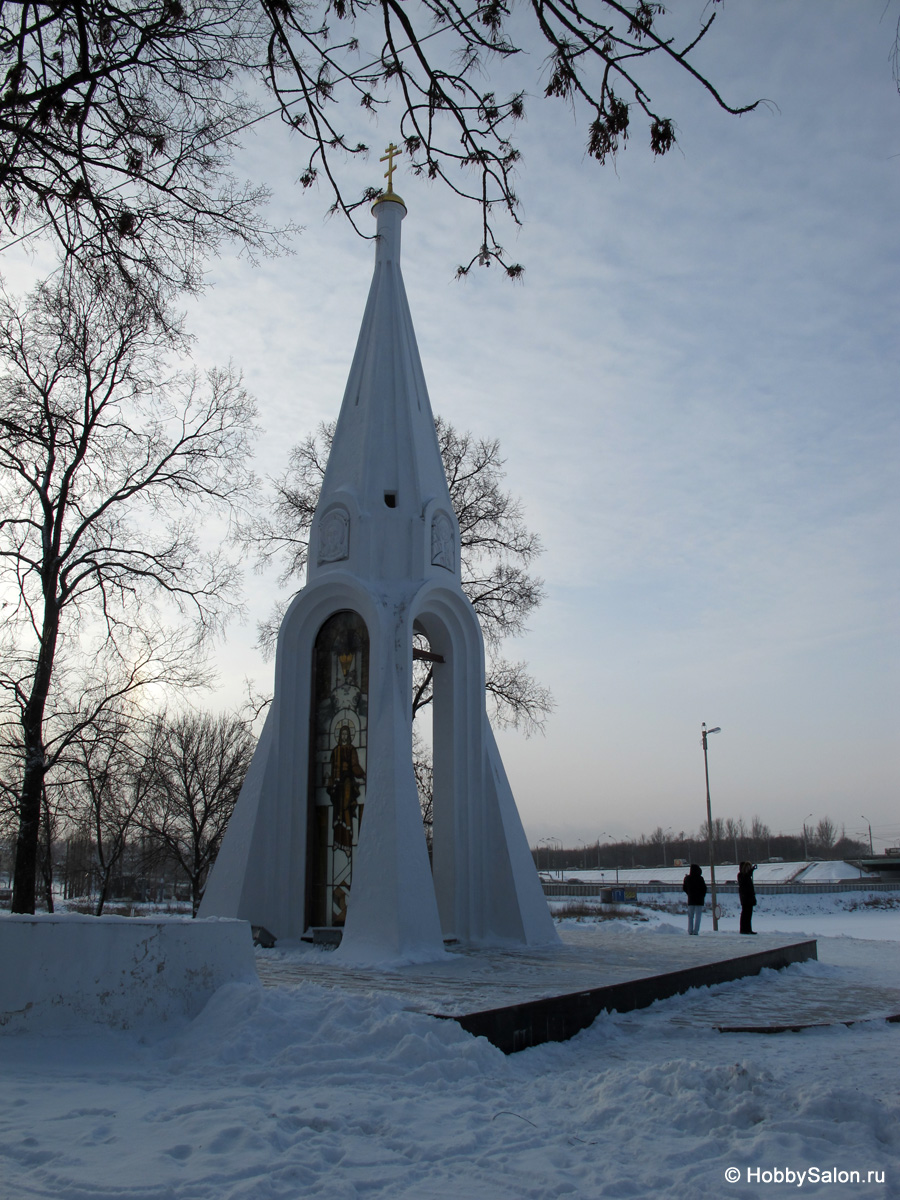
[[454, 126], [117, 122], [108, 461]]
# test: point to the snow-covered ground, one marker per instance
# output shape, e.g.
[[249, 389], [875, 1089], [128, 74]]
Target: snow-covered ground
[[831, 914], [276, 1094], [831, 871]]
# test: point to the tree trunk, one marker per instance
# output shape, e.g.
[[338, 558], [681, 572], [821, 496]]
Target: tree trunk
[[31, 799], [45, 852], [101, 899], [25, 876], [196, 886]]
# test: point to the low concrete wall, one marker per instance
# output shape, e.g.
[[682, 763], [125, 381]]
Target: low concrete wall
[[58, 972]]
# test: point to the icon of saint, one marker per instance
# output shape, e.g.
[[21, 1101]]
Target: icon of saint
[[343, 786]]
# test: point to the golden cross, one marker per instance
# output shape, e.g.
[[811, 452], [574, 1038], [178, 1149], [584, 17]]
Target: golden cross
[[392, 153]]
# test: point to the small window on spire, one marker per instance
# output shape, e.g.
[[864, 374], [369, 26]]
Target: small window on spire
[[390, 499]]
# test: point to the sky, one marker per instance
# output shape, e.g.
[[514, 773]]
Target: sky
[[695, 391]]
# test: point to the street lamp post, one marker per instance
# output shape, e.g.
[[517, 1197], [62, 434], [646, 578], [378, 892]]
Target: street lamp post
[[869, 823], [619, 844], [602, 833], [556, 844], [545, 842], [709, 826], [669, 830], [805, 843]]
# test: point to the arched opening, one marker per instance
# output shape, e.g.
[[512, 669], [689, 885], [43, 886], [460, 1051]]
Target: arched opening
[[338, 758], [434, 676], [425, 662]]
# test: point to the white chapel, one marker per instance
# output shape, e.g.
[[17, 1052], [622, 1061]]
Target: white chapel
[[327, 831]]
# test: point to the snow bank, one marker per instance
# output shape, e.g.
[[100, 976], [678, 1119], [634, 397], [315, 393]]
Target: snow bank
[[771, 872], [313, 1092], [60, 971], [829, 872], [312, 1033]]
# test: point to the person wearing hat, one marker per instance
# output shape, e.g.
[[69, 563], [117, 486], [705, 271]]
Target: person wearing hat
[[695, 887], [747, 893]]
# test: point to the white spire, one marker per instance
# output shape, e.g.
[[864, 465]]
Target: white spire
[[385, 462]]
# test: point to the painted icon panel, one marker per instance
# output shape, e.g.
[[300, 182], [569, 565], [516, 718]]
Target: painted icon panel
[[338, 762]]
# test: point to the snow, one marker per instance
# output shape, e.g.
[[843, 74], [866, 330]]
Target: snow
[[842, 914], [827, 872], [279, 1093], [766, 873]]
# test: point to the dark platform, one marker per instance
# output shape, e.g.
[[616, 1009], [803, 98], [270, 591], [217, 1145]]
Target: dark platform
[[557, 1018], [520, 997], [894, 1019]]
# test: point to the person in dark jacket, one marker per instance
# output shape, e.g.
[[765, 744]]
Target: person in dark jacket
[[695, 887], [747, 893]]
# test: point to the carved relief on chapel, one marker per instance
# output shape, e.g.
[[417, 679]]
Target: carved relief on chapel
[[443, 542], [334, 536]]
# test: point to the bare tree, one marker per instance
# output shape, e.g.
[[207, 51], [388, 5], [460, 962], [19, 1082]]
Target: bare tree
[[718, 833], [197, 766], [117, 125], [106, 457], [423, 768], [826, 835], [104, 778], [496, 553], [760, 835], [117, 121], [808, 835], [850, 847], [659, 837], [733, 832], [10, 778]]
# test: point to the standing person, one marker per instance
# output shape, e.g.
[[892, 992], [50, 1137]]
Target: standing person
[[747, 893], [695, 887]]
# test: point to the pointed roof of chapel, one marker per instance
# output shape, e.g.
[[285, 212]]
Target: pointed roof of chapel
[[385, 449]]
